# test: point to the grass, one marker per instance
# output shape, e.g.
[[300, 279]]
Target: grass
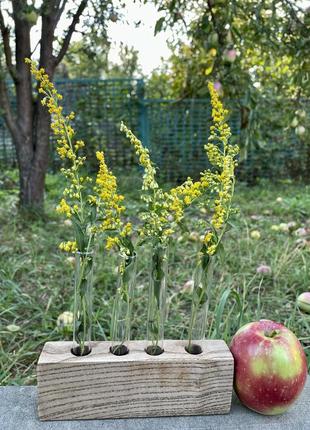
[[36, 279]]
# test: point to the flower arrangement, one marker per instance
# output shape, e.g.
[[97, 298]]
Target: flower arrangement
[[156, 228], [218, 202], [165, 211], [95, 208]]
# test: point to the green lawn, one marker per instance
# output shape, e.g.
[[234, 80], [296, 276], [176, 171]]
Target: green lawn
[[36, 278]]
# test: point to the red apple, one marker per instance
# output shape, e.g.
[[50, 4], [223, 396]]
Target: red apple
[[270, 367]]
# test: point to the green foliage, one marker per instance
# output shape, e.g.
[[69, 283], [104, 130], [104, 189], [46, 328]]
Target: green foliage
[[238, 43], [257, 53], [81, 62], [92, 61], [36, 280], [128, 65]]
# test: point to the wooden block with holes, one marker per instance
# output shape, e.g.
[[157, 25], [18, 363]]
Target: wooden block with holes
[[101, 385]]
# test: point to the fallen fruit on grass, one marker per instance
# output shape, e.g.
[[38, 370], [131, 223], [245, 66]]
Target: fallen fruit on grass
[[303, 302], [283, 227], [13, 328], [255, 234], [71, 260], [301, 231], [65, 321], [270, 367], [194, 236], [263, 269]]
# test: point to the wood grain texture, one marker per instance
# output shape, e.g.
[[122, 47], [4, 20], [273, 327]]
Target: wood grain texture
[[101, 385]]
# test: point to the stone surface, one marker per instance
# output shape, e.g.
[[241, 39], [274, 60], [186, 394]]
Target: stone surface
[[18, 411]]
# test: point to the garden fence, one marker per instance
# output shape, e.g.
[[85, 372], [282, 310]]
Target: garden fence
[[175, 131]]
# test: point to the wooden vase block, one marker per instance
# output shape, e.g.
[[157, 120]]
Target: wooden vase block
[[102, 385]]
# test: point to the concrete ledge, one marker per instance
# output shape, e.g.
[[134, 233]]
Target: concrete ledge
[[18, 412]]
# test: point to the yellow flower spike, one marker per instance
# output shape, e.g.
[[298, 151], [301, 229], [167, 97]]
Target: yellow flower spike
[[70, 246], [111, 242], [109, 205], [208, 237], [221, 155], [64, 208], [211, 249], [149, 181], [76, 201]]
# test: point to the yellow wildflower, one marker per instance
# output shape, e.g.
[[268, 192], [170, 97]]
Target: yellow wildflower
[[110, 207], [184, 195], [207, 238], [62, 129], [64, 208], [221, 155], [111, 242], [211, 249], [127, 230], [109, 202], [78, 203], [70, 246], [149, 181]]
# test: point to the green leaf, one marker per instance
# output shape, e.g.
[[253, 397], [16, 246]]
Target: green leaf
[[237, 297], [205, 260], [219, 313], [231, 225], [93, 214], [159, 25], [80, 234], [220, 249]]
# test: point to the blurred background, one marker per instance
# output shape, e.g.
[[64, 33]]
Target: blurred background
[[147, 63]]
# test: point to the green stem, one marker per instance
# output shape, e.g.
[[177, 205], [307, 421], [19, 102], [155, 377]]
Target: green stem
[[84, 326], [200, 299]]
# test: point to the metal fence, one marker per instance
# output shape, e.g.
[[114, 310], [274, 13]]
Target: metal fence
[[175, 131], [7, 150], [100, 106]]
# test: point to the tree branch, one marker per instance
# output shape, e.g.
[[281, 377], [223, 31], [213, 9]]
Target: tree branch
[[61, 9], [214, 22], [67, 38], [5, 32]]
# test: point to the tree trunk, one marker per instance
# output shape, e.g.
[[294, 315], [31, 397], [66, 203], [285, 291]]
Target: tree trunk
[[33, 120], [30, 124], [32, 173], [33, 165]]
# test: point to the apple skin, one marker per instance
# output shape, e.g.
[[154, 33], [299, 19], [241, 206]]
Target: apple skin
[[303, 302], [270, 372]]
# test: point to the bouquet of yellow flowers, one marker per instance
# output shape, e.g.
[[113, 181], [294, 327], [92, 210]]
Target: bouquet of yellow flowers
[[165, 211], [95, 207]]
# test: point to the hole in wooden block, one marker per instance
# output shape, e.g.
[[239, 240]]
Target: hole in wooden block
[[119, 350], [154, 350], [78, 351], [193, 349]]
